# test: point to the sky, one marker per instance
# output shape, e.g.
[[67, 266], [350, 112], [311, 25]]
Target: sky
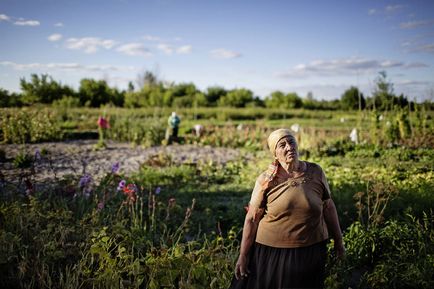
[[302, 46]]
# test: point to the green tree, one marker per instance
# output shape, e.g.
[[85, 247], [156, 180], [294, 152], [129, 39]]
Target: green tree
[[275, 100], [352, 99], [184, 95], [130, 86], [213, 94], [94, 93], [43, 89], [237, 98], [383, 96], [9, 99], [148, 78], [278, 99]]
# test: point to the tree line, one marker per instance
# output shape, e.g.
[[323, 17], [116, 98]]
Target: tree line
[[152, 92]]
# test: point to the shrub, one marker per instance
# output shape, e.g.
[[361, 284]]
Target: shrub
[[398, 254], [29, 126]]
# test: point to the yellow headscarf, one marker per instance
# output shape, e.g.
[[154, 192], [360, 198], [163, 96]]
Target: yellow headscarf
[[274, 138]]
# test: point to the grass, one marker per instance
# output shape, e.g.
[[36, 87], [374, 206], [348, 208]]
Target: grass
[[181, 227]]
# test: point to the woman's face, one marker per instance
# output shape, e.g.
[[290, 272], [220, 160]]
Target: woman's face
[[286, 150]]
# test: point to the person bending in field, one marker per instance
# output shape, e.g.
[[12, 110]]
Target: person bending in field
[[288, 223], [172, 131]]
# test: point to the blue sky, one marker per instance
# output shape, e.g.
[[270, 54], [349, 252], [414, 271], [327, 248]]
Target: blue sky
[[322, 47]]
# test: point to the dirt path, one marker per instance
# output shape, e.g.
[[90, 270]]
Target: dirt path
[[79, 156]]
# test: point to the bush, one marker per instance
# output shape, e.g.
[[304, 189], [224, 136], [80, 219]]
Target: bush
[[399, 254], [29, 126]]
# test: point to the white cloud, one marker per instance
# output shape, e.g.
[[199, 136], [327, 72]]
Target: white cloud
[[224, 53], [407, 82], [66, 66], [416, 65], [416, 24], [134, 49], [55, 37], [89, 44], [58, 24], [23, 22], [151, 38], [186, 49], [388, 10], [428, 48], [4, 17], [393, 8], [165, 48], [19, 21], [372, 11], [343, 67]]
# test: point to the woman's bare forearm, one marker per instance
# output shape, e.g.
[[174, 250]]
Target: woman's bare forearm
[[249, 233], [332, 221]]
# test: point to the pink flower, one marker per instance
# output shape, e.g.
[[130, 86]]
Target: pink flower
[[103, 123], [172, 202], [100, 205], [115, 168], [121, 185]]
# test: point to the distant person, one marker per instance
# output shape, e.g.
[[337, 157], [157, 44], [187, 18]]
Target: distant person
[[289, 220], [173, 122], [198, 129]]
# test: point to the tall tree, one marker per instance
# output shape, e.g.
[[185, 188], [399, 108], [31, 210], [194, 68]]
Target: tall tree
[[94, 93], [383, 92], [352, 99], [213, 94], [237, 98], [43, 89]]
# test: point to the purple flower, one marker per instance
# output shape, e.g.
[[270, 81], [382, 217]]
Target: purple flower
[[87, 192], [37, 155], [100, 205], [121, 185], [115, 168], [157, 190], [85, 181]]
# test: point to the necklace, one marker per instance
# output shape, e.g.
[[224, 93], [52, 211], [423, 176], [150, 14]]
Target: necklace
[[294, 181]]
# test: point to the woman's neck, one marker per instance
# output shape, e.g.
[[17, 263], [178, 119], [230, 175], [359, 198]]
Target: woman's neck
[[292, 167]]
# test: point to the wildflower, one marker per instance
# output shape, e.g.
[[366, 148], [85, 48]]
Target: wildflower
[[157, 190], [103, 123], [29, 187], [37, 155], [115, 168], [86, 192], [130, 188], [100, 205], [172, 202], [121, 185], [85, 181], [130, 191]]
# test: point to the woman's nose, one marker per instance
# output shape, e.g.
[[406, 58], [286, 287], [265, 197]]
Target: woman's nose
[[289, 147]]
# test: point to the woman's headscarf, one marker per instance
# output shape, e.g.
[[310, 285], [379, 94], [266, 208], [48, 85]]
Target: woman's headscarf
[[274, 138], [271, 172], [272, 141]]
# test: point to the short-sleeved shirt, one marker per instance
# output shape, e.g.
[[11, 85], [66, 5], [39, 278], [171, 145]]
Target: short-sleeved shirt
[[293, 209]]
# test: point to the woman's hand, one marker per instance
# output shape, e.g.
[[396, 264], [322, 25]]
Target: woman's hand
[[339, 249], [241, 269]]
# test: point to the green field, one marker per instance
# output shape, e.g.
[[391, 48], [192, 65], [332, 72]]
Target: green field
[[181, 227]]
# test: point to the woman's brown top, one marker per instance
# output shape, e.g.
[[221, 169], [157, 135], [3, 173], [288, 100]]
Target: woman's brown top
[[293, 209]]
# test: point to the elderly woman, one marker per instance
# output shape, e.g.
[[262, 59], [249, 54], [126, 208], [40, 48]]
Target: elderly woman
[[288, 223]]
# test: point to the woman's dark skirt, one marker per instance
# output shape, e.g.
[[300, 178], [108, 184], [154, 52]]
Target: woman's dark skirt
[[281, 268]]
